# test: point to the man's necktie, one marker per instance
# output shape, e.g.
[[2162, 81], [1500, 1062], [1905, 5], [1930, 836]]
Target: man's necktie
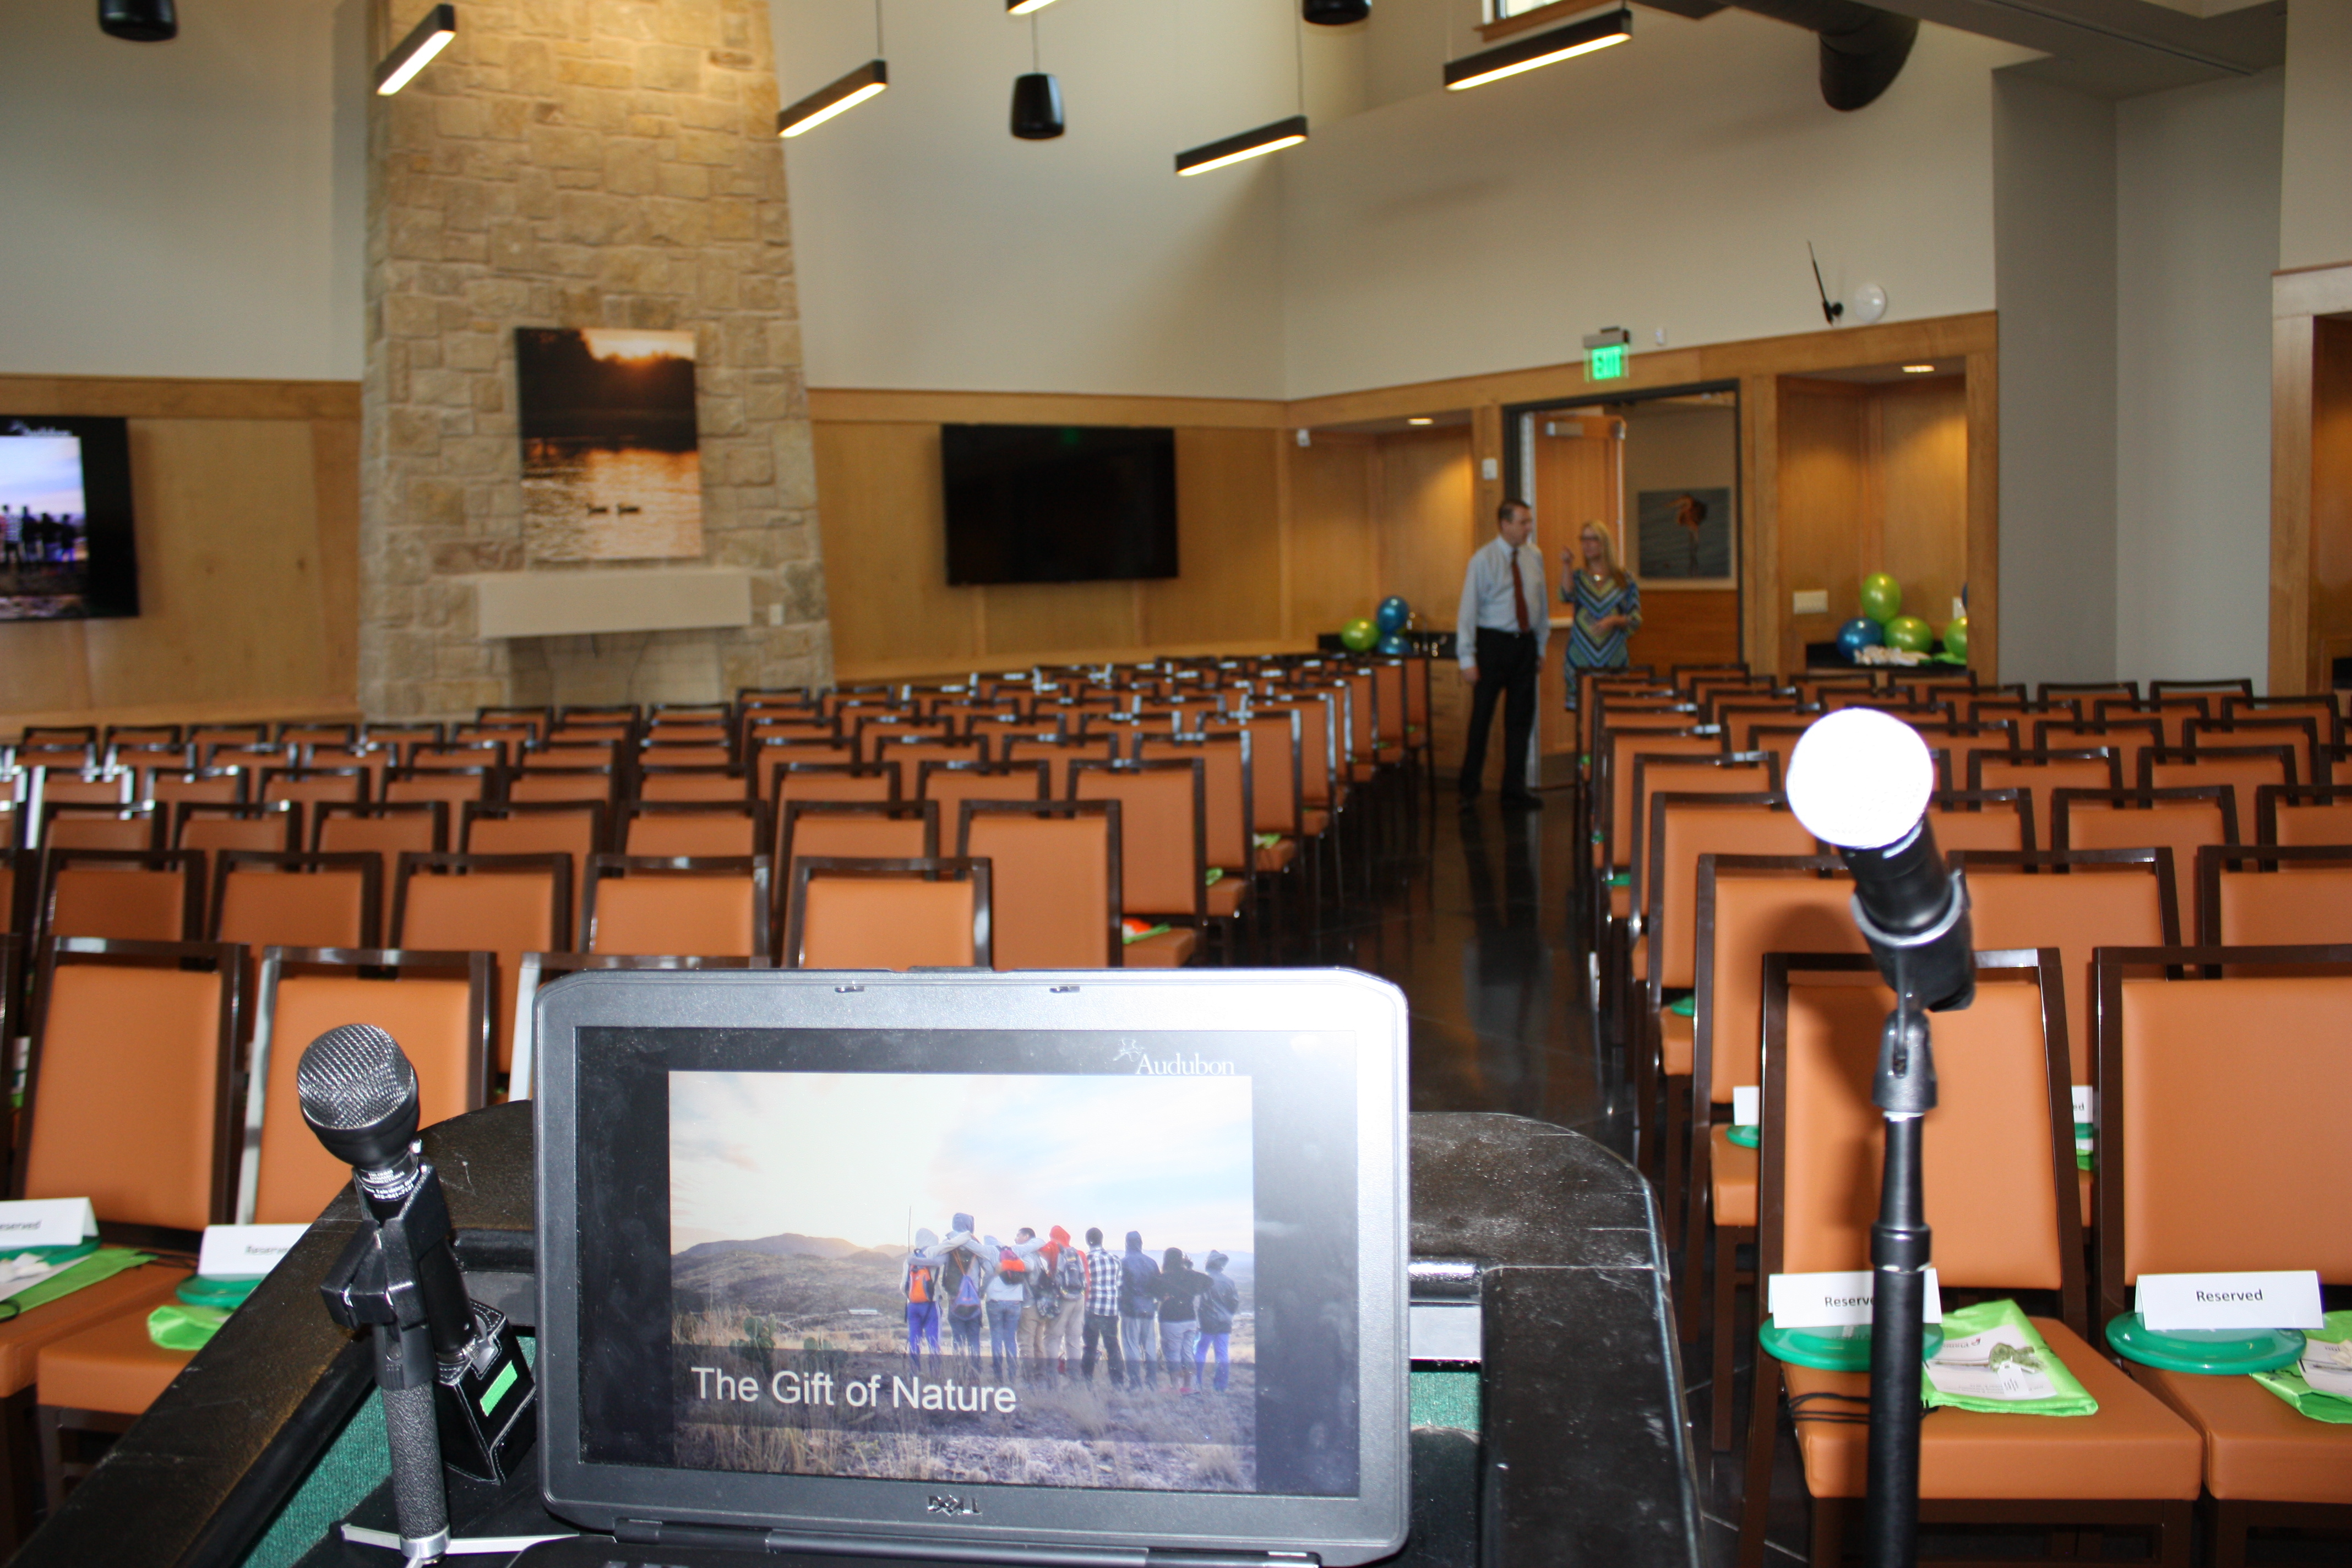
[[1519, 593]]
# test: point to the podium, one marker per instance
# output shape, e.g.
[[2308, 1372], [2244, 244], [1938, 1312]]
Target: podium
[[1541, 1313]]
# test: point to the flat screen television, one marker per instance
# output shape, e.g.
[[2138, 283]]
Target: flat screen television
[[65, 548], [1059, 503]]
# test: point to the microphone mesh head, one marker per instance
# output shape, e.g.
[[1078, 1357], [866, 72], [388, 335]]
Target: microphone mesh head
[[353, 1077]]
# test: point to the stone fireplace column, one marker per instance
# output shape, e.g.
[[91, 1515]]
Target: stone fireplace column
[[577, 163]]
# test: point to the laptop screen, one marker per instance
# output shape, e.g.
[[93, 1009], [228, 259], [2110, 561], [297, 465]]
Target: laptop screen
[[1059, 1259]]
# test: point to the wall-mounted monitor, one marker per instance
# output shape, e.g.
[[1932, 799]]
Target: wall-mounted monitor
[[66, 549], [1059, 503]]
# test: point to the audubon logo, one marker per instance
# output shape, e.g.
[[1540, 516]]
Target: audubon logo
[[1150, 1065], [953, 1506]]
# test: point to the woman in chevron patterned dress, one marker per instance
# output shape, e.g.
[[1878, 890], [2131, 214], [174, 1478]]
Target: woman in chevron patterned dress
[[1607, 602]]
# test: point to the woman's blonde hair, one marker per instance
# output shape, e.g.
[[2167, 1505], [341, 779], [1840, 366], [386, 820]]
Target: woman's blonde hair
[[1608, 550]]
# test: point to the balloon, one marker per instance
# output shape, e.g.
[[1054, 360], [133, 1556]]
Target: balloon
[[1956, 637], [1882, 596], [1358, 635], [1393, 613], [1394, 643], [1860, 633], [1910, 634]]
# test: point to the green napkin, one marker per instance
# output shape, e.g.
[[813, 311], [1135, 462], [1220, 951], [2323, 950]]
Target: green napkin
[[1622, 879], [1127, 937], [1214, 875], [2084, 1160], [1994, 1361], [1265, 840], [2288, 1382], [104, 1264], [1687, 1007], [174, 1326]]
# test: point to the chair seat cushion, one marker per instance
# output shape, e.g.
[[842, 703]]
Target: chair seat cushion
[[1312, 824], [1277, 857], [112, 1367], [2133, 1447], [1363, 772], [1172, 949], [1620, 904], [1637, 959], [1733, 1170], [133, 1291], [2258, 1447], [1225, 897], [1675, 1043]]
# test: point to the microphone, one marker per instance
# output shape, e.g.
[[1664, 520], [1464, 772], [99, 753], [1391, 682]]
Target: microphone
[[1863, 779]]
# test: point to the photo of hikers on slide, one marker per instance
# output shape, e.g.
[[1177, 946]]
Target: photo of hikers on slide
[[1002, 1334]]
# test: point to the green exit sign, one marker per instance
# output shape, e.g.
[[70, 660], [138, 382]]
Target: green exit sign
[[1607, 362]]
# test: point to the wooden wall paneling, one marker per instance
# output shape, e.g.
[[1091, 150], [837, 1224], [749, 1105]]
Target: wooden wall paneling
[[1759, 513], [1427, 524], [862, 406], [2330, 633], [2293, 341], [1580, 478], [335, 460], [1229, 543], [1983, 393], [169, 397], [1029, 622], [1824, 501], [44, 668], [1689, 625], [1335, 556], [884, 532], [1921, 470]]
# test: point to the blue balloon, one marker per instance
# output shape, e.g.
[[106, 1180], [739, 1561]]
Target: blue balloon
[[1860, 633], [1393, 613], [1394, 643]]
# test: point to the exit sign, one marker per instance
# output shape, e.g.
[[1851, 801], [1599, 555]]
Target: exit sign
[[1606, 363]]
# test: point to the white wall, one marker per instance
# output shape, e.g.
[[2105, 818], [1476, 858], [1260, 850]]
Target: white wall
[[2054, 237], [2315, 201], [188, 208], [1672, 181], [2197, 211]]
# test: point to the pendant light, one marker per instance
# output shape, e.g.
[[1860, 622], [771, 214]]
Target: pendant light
[[841, 94], [425, 40], [1526, 54], [1334, 13], [1265, 139], [141, 21], [1037, 96]]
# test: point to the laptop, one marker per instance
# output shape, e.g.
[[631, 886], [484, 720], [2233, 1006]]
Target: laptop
[[1102, 1268]]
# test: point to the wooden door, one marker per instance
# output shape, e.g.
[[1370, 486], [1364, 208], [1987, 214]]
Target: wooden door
[[1580, 478]]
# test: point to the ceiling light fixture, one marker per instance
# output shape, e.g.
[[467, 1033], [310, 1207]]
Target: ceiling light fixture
[[1919, 370], [1421, 419], [841, 94], [1334, 13], [141, 21], [1037, 96], [1023, 7], [425, 40], [1265, 139], [1540, 49]]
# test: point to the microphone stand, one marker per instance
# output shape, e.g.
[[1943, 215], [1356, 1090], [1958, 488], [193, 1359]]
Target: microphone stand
[[1904, 1092]]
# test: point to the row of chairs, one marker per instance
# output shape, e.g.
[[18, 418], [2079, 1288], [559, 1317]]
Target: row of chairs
[[1710, 876]]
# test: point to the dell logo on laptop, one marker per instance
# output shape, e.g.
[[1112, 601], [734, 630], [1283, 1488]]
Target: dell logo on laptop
[[952, 1505]]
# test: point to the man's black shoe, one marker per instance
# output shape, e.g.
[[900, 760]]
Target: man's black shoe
[[1524, 800]]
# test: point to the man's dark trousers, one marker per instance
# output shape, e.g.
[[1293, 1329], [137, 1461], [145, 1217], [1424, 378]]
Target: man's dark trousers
[[1507, 663]]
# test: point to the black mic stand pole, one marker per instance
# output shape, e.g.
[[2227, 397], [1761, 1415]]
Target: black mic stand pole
[[1905, 1091]]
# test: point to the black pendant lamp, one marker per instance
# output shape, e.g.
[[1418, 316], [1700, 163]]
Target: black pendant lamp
[[141, 21], [1334, 13], [1036, 98]]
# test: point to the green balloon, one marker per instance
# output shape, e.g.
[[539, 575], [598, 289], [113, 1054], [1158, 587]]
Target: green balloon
[[1910, 634], [1882, 596], [1956, 637], [1360, 634]]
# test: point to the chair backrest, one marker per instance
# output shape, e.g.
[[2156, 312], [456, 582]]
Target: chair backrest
[[873, 728], [2084, 693], [2170, 715], [1750, 905], [657, 750], [951, 784], [386, 829], [575, 829], [2044, 773], [507, 905], [481, 753], [1054, 873], [568, 785], [124, 895], [2304, 814], [771, 757], [1276, 751], [2074, 902], [2270, 895], [344, 783], [2245, 769], [1756, 772], [69, 826], [1163, 832], [1682, 828], [437, 1005], [455, 786], [669, 829], [907, 753], [699, 783], [858, 913], [560, 755], [128, 1093], [2308, 733], [1984, 819], [2204, 1173], [1059, 754], [1614, 786], [17, 879], [717, 907], [276, 828], [2126, 735], [405, 733], [1226, 778], [297, 900], [1998, 1154], [858, 830], [2182, 819], [217, 786]]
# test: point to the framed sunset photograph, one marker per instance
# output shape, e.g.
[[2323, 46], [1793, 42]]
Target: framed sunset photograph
[[610, 468]]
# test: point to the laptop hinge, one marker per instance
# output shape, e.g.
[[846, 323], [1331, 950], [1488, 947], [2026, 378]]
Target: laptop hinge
[[654, 1533]]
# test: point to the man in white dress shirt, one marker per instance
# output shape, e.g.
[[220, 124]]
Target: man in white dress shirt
[[1498, 640]]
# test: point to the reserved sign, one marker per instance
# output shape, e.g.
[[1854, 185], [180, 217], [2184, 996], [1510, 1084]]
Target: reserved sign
[[1746, 1105], [2287, 1299], [245, 1251], [46, 1222], [1838, 1301]]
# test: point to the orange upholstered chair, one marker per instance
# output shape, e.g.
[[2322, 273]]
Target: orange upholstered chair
[[645, 905], [506, 905], [1163, 849], [2270, 895], [386, 829], [1053, 880], [273, 828], [124, 895], [857, 913], [717, 827]]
